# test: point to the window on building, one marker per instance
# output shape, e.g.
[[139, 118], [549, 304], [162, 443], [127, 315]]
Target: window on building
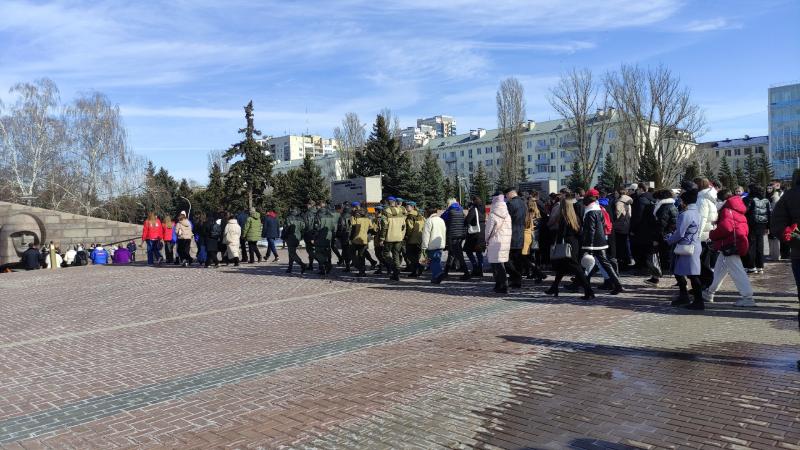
[[541, 142], [611, 134], [760, 150], [563, 167], [452, 155], [471, 167], [530, 171], [748, 150], [717, 153], [552, 141], [530, 158], [469, 152], [552, 168], [498, 161], [462, 153], [480, 150], [488, 149], [552, 155], [728, 152], [563, 154], [499, 148], [529, 144], [489, 162], [737, 152]]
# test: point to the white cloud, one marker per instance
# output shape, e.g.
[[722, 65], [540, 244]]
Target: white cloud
[[701, 26]]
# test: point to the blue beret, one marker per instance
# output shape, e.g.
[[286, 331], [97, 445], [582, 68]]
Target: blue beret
[[379, 207], [411, 203], [354, 204], [391, 199], [400, 199]]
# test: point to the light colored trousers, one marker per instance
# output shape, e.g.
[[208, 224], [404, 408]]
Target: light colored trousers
[[731, 265]]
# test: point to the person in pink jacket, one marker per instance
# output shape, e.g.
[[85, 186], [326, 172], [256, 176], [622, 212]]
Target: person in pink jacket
[[498, 242]]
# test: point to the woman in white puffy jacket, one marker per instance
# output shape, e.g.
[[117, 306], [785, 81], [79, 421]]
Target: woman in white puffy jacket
[[707, 210], [498, 242]]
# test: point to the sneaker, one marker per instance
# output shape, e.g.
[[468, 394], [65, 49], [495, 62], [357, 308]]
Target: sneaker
[[750, 270], [681, 300], [708, 296], [760, 270], [745, 302], [651, 281]]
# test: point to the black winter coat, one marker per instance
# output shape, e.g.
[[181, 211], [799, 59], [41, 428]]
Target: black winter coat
[[30, 259], [517, 209], [475, 242], [787, 212], [212, 244], [593, 235], [666, 221], [454, 220], [270, 229], [642, 219]]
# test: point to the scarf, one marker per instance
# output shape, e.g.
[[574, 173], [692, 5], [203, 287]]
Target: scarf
[[666, 201]]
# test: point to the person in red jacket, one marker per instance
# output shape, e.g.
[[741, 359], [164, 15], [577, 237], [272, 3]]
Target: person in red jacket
[[730, 240], [151, 234]]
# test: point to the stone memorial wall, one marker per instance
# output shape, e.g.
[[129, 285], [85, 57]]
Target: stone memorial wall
[[21, 225]]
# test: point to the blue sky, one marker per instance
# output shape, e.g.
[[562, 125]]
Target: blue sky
[[182, 70]]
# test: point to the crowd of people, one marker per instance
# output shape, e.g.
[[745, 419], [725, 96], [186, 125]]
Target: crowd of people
[[117, 254], [698, 234]]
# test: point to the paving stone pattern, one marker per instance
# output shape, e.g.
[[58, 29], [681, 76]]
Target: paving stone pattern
[[106, 357]]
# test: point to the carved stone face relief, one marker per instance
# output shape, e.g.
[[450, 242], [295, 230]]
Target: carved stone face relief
[[16, 232]]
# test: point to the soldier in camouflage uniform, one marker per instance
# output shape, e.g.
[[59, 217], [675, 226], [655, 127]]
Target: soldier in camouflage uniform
[[393, 237], [378, 227], [308, 232], [324, 228], [293, 231], [414, 226]]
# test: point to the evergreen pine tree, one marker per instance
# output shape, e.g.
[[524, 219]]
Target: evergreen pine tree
[[765, 172], [609, 179], [383, 156], [708, 172], [740, 177], [309, 182], [480, 184], [692, 171], [725, 176], [576, 181], [249, 176], [212, 196], [751, 169], [649, 168], [183, 200], [431, 182], [450, 189]]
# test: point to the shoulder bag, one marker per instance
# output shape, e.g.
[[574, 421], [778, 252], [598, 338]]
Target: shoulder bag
[[561, 250], [475, 228]]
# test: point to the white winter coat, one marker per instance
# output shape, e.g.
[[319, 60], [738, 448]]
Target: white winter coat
[[498, 231], [434, 233], [707, 210], [233, 232]]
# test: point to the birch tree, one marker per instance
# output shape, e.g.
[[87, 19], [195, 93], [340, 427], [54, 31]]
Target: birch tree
[[31, 137], [583, 104], [351, 137], [659, 115]]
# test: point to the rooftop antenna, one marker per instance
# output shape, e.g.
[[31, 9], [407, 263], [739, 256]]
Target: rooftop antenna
[[307, 120]]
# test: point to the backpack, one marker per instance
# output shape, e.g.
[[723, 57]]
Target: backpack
[[343, 227], [216, 231], [608, 228], [760, 210]]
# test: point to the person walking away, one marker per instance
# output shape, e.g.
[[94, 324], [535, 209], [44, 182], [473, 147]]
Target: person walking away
[[638, 242], [622, 226], [271, 231], [568, 234], [454, 218], [730, 239], [231, 237], [688, 249], [309, 216], [212, 233], [184, 234], [199, 231], [532, 216], [785, 218], [169, 238], [324, 227], [394, 234], [758, 215], [666, 216], [122, 255], [594, 240], [132, 250], [293, 232], [152, 233], [360, 226], [99, 256], [475, 243], [343, 225], [30, 258], [241, 219], [774, 194], [707, 211], [379, 230], [415, 223], [517, 210], [252, 233], [432, 243], [337, 213], [498, 235]]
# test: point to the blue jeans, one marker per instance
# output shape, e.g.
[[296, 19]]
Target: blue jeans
[[436, 262], [271, 248], [476, 259], [152, 253]]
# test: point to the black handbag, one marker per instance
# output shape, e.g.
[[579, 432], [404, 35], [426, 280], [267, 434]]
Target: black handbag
[[560, 250]]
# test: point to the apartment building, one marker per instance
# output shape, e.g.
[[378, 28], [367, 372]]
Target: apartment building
[[296, 147], [444, 126], [329, 165], [735, 151]]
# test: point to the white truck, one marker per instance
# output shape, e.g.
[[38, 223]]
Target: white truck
[[366, 190]]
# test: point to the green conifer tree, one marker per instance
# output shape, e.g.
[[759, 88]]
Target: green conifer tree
[[249, 176], [725, 176], [609, 179], [383, 156], [431, 182], [481, 185]]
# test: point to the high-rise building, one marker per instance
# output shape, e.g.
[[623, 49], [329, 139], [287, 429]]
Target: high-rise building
[[443, 125], [413, 137], [784, 129]]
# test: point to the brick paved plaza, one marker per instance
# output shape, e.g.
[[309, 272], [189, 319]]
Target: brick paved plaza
[[104, 357]]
